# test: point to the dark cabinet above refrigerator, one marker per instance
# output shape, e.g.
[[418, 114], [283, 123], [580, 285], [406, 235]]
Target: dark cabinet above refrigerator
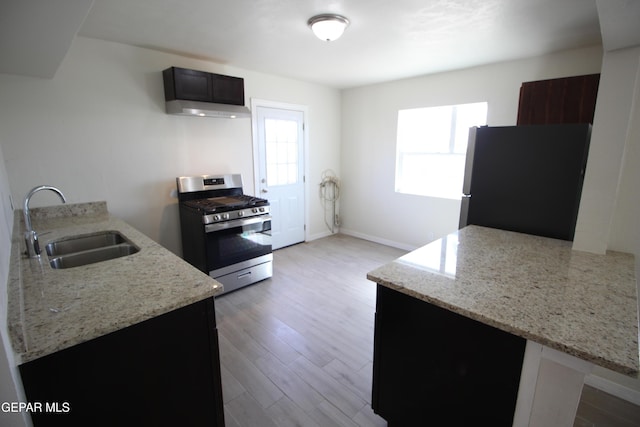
[[555, 101]]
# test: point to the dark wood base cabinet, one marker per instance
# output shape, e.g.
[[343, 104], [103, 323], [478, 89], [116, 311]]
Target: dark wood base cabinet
[[161, 372], [433, 367]]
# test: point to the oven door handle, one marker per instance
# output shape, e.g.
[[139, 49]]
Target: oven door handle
[[210, 228]]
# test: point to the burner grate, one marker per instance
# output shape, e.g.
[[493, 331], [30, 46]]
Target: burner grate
[[226, 203]]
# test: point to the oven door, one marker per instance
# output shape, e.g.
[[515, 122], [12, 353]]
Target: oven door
[[238, 240]]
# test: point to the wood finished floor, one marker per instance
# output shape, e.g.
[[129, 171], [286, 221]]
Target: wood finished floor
[[297, 349], [599, 409]]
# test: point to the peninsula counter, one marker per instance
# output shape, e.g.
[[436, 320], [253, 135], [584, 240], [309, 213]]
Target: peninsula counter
[[570, 310]]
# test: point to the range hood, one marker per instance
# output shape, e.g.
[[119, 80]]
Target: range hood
[[206, 109]]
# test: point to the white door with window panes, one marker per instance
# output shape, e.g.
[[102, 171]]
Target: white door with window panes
[[279, 137]]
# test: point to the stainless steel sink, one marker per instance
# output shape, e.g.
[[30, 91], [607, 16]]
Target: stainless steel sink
[[92, 256], [86, 249], [84, 242]]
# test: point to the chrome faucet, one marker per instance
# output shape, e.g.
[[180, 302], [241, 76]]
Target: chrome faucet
[[30, 236]]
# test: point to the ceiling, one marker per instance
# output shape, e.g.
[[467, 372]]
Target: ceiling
[[386, 40]]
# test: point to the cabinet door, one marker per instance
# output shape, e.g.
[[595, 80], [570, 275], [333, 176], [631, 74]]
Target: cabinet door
[[193, 85], [555, 101], [163, 371], [433, 367], [228, 90]]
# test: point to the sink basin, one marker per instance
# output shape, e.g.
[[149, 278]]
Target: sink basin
[[84, 242], [87, 249], [92, 256]]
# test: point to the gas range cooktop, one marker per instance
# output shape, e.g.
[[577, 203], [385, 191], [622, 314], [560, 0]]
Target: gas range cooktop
[[226, 203], [218, 198]]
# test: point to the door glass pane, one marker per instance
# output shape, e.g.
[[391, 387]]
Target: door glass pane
[[281, 151]]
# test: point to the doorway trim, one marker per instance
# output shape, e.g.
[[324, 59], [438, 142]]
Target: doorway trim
[[254, 136]]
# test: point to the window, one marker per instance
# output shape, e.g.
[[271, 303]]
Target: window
[[431, 148], [282, 151]]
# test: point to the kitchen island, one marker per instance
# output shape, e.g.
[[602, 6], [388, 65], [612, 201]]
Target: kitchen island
[[551, 311], [131, 339]]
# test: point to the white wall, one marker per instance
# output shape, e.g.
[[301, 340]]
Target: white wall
[[609, 216], [625, 228], [99, 131], [370, 207], [609, 188]]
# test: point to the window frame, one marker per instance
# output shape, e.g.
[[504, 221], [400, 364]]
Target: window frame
[[405, 153]]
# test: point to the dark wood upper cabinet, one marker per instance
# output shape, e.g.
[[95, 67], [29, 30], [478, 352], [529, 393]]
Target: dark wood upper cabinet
[[190, 85], [555, 101], [193, 85], [227, 89]]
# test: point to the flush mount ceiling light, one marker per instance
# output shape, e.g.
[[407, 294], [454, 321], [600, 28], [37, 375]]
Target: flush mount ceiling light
[[328, 27]]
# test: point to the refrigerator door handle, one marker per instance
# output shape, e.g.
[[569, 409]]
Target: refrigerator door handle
[[466, 184], [468, 166], [464, 211]]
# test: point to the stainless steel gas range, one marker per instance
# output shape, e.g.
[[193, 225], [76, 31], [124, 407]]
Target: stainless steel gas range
[[225, 233]]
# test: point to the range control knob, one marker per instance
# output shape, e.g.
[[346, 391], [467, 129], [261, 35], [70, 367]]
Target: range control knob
[[225, 216], [216, 217], [241, 213], [261, 209], [254, 210]]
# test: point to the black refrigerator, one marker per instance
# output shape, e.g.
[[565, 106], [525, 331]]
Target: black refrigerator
[[525, 178]]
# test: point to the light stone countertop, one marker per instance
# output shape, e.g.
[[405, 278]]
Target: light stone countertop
[[53, 309], [538, 288]]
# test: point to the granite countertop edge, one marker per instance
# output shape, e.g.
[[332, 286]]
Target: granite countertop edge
[[409, 280], [487, 320], [53, 309]]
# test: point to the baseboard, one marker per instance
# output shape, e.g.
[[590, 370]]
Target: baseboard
[[613, 388], [319, 235], [376, 239]]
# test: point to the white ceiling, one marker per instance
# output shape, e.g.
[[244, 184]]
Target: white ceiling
[[386, 40]]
